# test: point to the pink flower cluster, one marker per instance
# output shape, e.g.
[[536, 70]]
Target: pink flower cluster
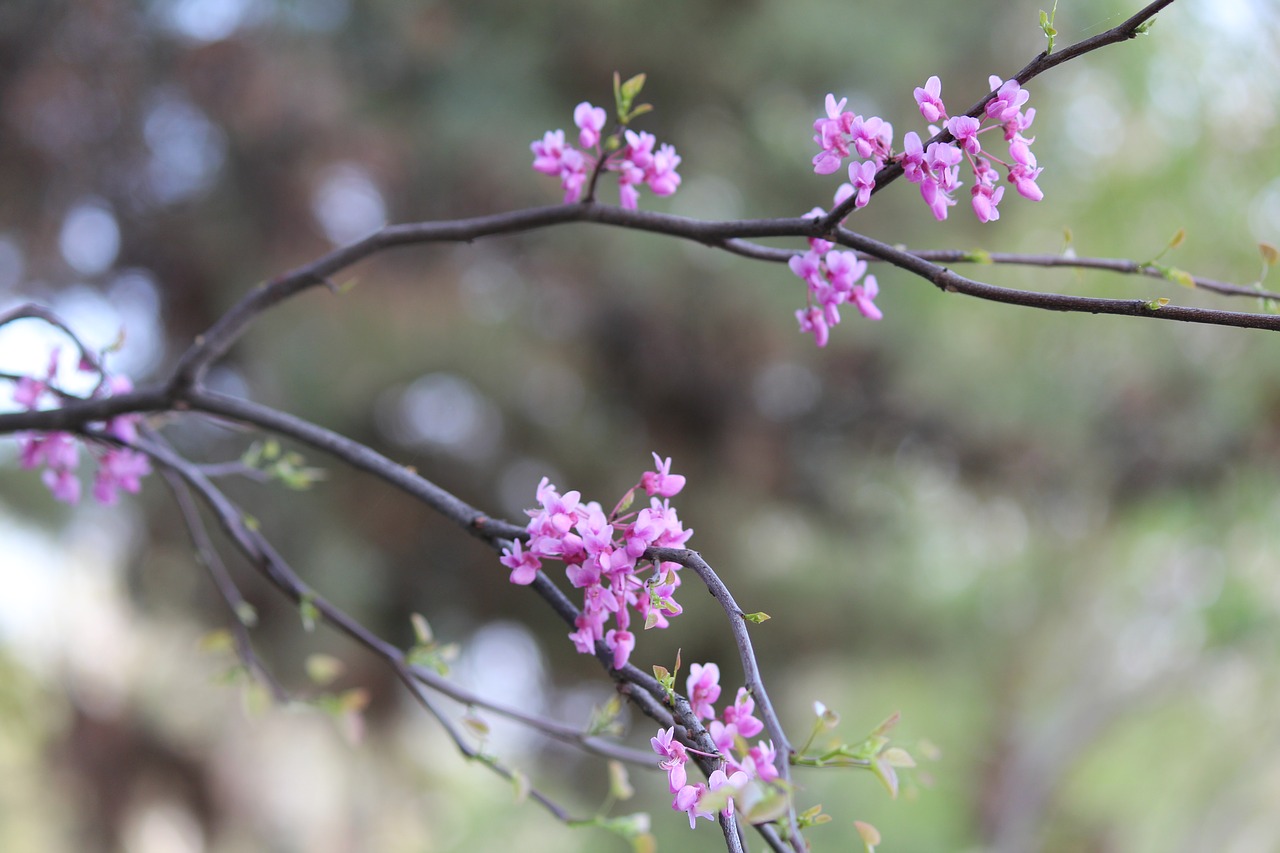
[[742, 763], [59, 452], [603, 556], [936, 169], [636, 162], [832, 277]]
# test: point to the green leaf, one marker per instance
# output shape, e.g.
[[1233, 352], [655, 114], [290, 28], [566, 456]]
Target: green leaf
[[1157, 304], [619, 785], [605, 718], [521, 784], [476, 725], [323, 669], [421, 628], [1145, 28], [757, 618], [896, 756], [309, 612], [1046, 24], [632, 87], [1182, 277], [869, 834], [246, 613], [887, 776], [1178, 238], [217, 640], [978, 256], [252, 456]]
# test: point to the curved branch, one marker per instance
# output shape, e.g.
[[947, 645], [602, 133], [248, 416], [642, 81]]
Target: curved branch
[[951, 282]]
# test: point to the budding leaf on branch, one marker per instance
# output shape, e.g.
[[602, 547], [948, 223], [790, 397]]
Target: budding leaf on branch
[[323, 669], [217, 640], [757, 618], [869, 834], [247, 614], [1182, 277], [978, 256], [520, 782], [309, 612], [619, 785], [1270, 254], [1046, 24]]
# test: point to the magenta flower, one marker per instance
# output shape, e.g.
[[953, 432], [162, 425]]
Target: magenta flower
[[965, 130], [863, 296], [119, 468], [1008, 101], [703, 687], [929, 99], [863, 178], [662, 481], [524, 565], [590, 121], [687, 801], [621, 644]]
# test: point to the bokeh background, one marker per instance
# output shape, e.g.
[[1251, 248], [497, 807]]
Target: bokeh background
[[1049, 541]]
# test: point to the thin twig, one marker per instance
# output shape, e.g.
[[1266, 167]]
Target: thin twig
[[746, 654]]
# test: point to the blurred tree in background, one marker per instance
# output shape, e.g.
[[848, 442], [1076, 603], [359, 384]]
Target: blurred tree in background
[[1048, 540]]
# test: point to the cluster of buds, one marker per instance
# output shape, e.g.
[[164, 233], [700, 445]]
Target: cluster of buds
[[119, 466], [743, 763], [604, 557], [631, 155]]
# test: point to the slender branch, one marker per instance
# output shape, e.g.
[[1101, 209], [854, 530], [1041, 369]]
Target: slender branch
[[469, 751], [208, 556], [355, 454], [1042, 63], [950, 282], [750, 665]]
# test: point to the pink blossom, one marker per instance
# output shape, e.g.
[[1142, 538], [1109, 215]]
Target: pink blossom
[[524, 565], [28, 391], [64, 484], [912, 159], [813, 322], [929, 99], [1008, 101], [662, 481], [590, 121], [661, 175], [687, 801], [872, 138], [119, 468], [703, 687], [620, 643], [965, 130], [736, 782], [739, 714], [863, 178], [674, 758], [863, 297], [985, 199], [763, 758], [548, 152]]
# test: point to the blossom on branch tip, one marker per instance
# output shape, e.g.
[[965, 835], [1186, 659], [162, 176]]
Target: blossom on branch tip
[[590, 121], [661, 481]]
